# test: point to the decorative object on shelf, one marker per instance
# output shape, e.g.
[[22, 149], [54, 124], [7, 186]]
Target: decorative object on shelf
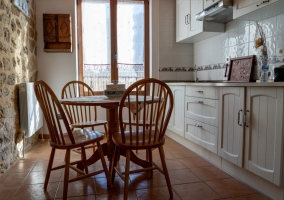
[[241, 69], [22, 5], [260, 43], [57, 33], [114, 89]]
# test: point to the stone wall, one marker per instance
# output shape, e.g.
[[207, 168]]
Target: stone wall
[[17, 64]]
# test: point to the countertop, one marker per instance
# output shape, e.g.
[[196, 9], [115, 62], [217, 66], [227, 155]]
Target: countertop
[[225, 83]]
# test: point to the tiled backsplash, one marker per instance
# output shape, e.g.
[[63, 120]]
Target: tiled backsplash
[[174, 57], [237, 41]]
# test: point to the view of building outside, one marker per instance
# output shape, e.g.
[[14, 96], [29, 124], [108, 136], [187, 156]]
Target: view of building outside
[[96, 42]]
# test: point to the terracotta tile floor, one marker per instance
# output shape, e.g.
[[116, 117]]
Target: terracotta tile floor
[[191, 177]]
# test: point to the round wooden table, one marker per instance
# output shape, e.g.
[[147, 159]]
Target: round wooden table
[[111, 106]]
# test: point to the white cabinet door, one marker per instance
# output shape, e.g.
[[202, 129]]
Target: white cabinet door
[[177, 118], [242, 7], [201, 109], [263, 132], [196, 6], [202, 134], [182, 19], [232, 108]]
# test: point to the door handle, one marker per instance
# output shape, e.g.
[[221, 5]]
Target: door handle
[[199, 101], [239, 117], [199, 91], [198, 125], [262, 2]]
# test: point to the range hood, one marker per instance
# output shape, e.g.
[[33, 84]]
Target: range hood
[[221, 12]]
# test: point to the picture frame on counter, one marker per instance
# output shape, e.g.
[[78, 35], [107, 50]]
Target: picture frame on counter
[[240, 69]]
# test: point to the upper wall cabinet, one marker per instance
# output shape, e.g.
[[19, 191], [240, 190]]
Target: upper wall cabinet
[[182, 19], [243, 7], [188, 29], [208, 3]]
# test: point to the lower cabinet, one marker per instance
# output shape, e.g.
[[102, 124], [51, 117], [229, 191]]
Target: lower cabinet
[[231, 127], [176, 123], [201, 116], [243, 125], [202, 134], [251, 129], [264, 132]]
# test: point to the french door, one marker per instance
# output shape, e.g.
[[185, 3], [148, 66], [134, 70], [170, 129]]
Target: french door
[[113, 41]]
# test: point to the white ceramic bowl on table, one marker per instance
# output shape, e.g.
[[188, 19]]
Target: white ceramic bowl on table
[[114, 90]]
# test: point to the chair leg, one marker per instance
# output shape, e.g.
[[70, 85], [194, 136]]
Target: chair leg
[[66, 174], [114, 161], [166, 173], [126, 175], [94, 147], [106, 131], [104, 164], [84, 159], [48, 171], [150, 159]]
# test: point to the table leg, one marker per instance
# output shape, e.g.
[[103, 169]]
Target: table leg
[[108, 148], [135, 159]]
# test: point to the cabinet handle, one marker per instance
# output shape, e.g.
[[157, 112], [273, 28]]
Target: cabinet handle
[[199, 91], [239, 117], [262, 2], [187, 19], [245, 120], [198, 125], [199, 101]]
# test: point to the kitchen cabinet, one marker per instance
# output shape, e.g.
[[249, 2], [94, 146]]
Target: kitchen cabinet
[[182, 19], [231, 134], [251, 129], [264, 133], [208, 3], [201, 116], [57, 32], [188, 29], [242, 7], [176, 123]]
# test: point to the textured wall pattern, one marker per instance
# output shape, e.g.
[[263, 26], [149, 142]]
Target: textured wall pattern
[[17, 65]]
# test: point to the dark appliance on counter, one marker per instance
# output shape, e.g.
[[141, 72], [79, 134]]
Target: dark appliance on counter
[[279, 74]]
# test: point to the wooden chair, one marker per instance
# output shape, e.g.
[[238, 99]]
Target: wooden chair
[[81, 138], [139, 115], [81, 116], [141, 135]]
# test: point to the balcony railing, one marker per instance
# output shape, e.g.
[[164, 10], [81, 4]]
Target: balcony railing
[[98, 75]]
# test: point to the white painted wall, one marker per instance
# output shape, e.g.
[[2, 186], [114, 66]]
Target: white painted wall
[[56, 69]]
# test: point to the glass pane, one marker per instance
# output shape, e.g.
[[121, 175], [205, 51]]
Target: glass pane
[[96, 43], [130, 41]]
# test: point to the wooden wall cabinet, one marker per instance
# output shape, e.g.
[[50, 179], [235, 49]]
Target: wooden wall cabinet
[[57, 33]]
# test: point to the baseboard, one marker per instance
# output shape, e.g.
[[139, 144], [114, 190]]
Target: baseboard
[[45, 136]]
